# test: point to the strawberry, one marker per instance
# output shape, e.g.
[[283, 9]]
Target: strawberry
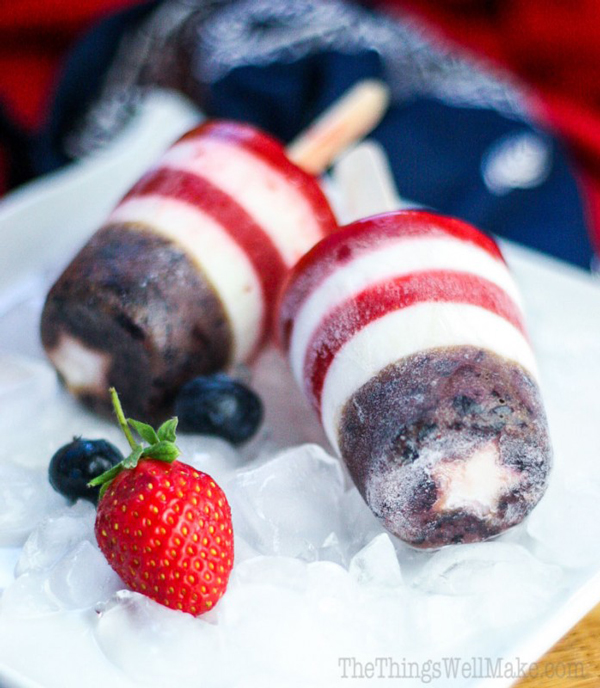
[[163, 526]]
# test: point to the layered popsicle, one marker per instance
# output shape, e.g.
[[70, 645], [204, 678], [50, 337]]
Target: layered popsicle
[[406, 333], [181, 278]]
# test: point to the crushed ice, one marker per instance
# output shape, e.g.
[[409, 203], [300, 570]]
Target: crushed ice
[[315, 576]]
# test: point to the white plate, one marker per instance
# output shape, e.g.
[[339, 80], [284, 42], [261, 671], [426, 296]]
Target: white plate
[[43, 224]]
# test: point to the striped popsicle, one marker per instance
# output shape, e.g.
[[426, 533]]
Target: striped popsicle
[[181, 278], [406, 333]]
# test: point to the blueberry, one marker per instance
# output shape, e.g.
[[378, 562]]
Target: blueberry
[[75, 464], [218, 405]]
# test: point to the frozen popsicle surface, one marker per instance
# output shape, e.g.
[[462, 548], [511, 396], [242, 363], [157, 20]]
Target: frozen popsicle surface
[[181, 279], [406, 333]]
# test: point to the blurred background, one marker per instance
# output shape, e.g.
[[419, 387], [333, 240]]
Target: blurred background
[[496, 103]]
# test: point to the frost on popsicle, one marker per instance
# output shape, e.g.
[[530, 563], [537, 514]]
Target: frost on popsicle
[[406, 334]]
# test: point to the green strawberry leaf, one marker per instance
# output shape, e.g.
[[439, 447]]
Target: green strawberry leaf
[[161, 443], [162, 451], [107, 476], [145, 431], [103, 489], [167, 431], [131, 461]]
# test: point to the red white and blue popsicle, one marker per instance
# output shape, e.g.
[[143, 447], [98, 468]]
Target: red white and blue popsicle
[[406, 333]]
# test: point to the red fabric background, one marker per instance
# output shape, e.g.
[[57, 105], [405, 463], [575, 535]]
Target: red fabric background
[[34, 37]]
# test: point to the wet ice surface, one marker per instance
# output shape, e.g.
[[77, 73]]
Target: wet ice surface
[[316, 578], [25, 498], [60, 567], [289, 504]]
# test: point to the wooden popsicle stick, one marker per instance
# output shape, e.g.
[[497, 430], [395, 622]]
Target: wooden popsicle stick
[[341, 125], [365, 181]]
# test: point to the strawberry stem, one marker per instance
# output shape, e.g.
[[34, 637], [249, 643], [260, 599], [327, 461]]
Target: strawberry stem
[[161, 443], [121, 418]]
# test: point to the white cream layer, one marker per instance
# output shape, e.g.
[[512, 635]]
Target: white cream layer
[[266, 195], [84, 369], [409, 331], [474, 484], [402, 257], [220, 258]]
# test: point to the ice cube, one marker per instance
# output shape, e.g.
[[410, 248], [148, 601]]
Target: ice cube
[[330, 587], [26, 497], [505, 583], [83, 578], [265, 627], [336, 606], [566, 526], [242, 549], [56, 535], [61, 567], [333, 550], [9, 556], [282, 617], [158, 646], [57, 421], [377, 564], [283, 572], [440, 624], [210, 455], [387, 623], [359, 525], [29, 596], [290, 504], [26, 386]]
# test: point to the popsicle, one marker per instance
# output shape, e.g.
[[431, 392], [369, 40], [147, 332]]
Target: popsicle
[[405, 330], [181, 278]]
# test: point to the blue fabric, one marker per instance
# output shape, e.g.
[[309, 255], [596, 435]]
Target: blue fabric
[[436, 154]]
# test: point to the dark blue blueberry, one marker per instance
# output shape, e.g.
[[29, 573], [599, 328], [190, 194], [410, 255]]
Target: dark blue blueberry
[[218, 405], [75, 464]]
